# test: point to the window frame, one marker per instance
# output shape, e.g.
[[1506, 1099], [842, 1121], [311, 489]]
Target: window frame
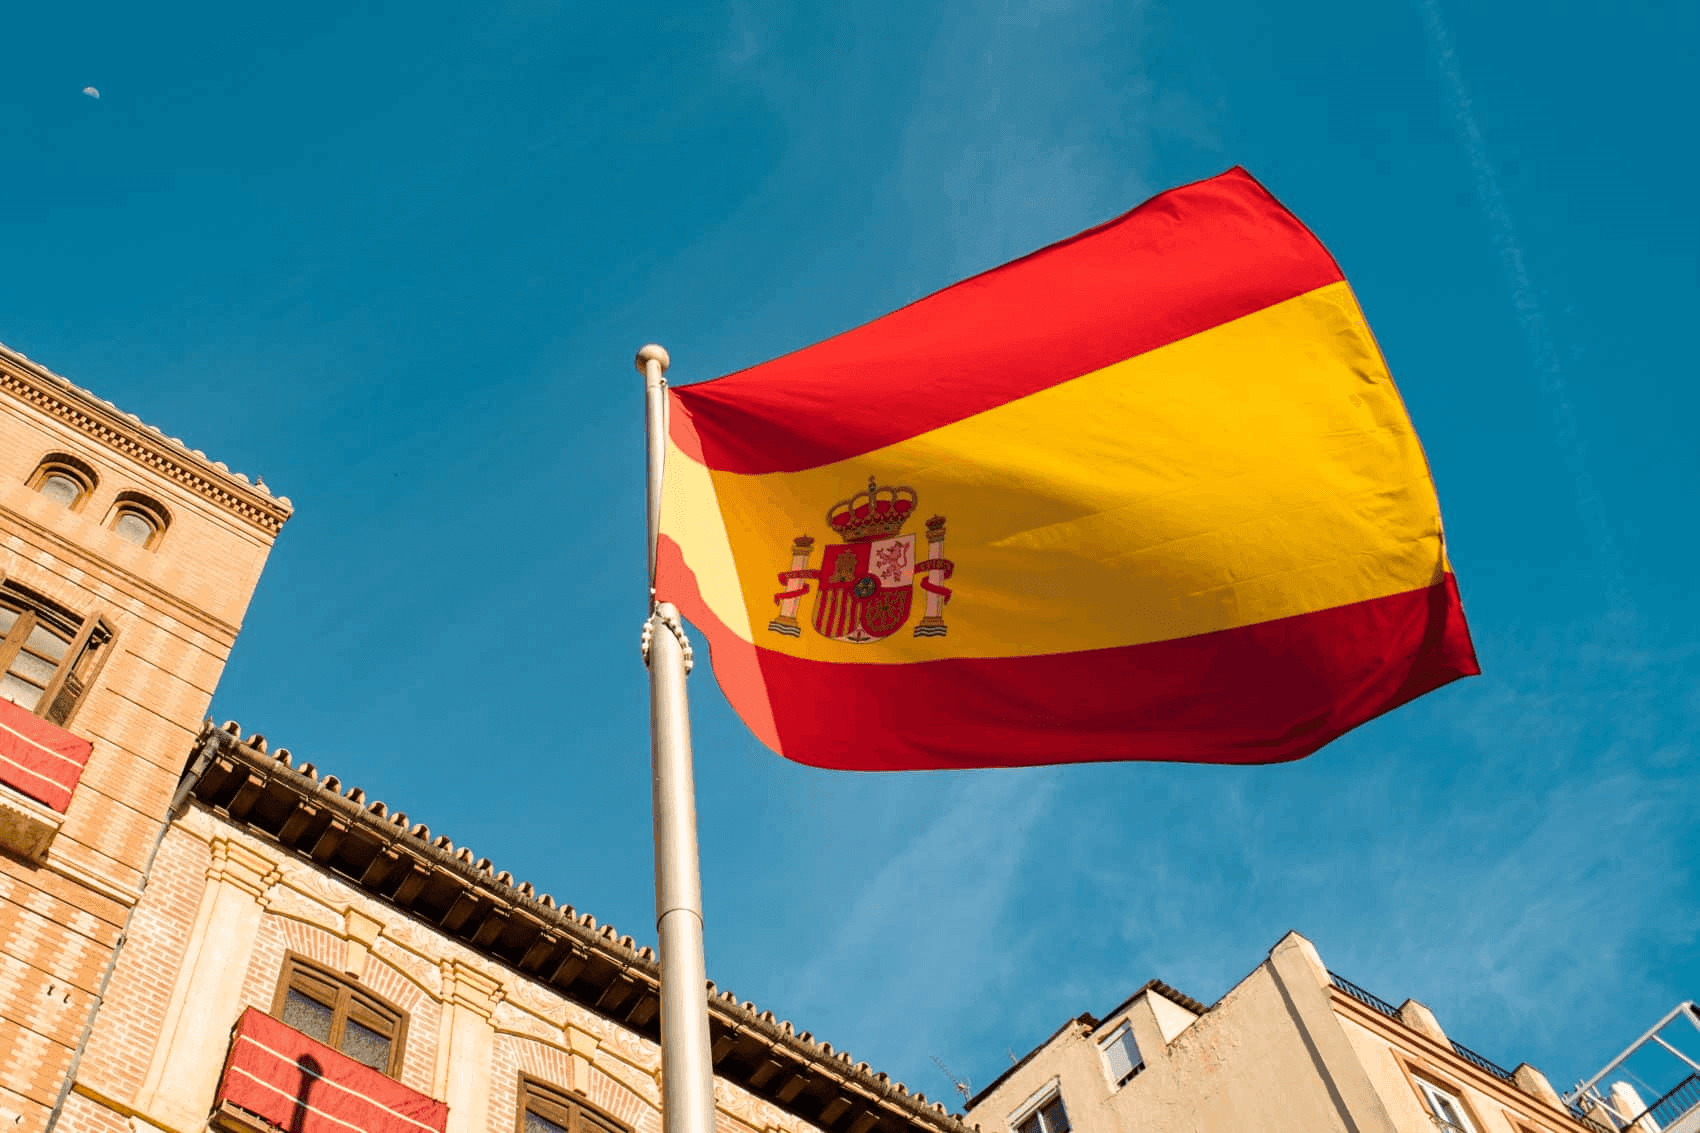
[[550, 1100], [72, 468], [352, 1001], [1036, 1105], [147, 508], [1423, 1076], [1427, 1091], [1125, 1027], [89, 643]]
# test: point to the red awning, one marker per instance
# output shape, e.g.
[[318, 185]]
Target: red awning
[[293, 1082], [39, 759]]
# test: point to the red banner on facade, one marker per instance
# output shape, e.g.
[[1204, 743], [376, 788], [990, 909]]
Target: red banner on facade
[[39, 759], [293, 1082]]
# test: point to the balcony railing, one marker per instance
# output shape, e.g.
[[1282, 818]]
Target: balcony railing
[[1392, 1012], [1674, 1104], [1363, 996], [276, 1078]]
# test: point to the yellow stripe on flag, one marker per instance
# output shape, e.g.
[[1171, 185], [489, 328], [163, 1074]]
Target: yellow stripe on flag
[[1260, 469]]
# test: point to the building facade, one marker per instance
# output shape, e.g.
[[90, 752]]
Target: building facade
[[1291, 1047], [197, 932], [126, 564]]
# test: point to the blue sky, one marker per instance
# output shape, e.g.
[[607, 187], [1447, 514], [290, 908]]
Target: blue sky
[[396, 258]]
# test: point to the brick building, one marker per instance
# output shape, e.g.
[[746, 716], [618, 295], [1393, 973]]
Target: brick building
[[197, 932], [126, 563]]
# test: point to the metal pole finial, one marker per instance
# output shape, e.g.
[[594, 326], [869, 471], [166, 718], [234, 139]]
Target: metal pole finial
[[653, 353]]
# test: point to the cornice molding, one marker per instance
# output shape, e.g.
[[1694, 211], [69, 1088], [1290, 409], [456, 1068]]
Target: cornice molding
[[1397, 1032], [238, 866], [129, 437], [449, 892]]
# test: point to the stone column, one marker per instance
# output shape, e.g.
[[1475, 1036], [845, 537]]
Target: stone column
[[786, 621], [466, 1045], [932, 620], [183, 1076]]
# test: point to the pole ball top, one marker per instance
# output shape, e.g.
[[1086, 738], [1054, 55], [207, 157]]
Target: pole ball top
[[653, 353]]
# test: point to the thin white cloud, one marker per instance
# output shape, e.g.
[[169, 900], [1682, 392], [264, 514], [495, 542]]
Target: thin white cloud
[[932, 932], [1531, 314], [91, 92]]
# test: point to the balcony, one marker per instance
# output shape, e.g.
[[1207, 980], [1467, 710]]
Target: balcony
[[276, 1078], [39, 768]]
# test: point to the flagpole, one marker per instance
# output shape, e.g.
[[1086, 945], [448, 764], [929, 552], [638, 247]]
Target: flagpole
[[687, 1073]]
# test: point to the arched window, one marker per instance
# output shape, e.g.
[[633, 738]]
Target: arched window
[[545, 1109], [65, 479], [138, 519], [341, 1014]]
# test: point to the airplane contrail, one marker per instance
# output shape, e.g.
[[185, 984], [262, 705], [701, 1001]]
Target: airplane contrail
[[1531, 316]]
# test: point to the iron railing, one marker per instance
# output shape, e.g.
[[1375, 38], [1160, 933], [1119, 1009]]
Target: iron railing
[[1481, 1063], [1363, 996], [1392, 1012], [1684, 1097], [1376, 1003]]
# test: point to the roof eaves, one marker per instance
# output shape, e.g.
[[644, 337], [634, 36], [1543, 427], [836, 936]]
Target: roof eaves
[[631, 961]]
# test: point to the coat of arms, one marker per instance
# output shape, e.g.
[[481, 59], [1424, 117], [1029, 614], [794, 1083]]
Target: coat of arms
[[867, 581]]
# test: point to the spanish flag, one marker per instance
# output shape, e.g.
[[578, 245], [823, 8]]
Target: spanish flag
[[1148, 493]]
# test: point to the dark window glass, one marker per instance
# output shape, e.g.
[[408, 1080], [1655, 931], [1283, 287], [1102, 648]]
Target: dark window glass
[[363, 1044], [340, 1014], [308, 1015], [536, 1124]]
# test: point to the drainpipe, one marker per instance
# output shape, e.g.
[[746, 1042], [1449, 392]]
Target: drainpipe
[[179, 801]]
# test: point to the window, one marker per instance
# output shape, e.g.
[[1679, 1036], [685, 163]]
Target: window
[[1048, 1116], [1121, 1056], [544, 1109], [340, 1014], [137, 519], [1444, 1108], [48, 655], [65, 479]]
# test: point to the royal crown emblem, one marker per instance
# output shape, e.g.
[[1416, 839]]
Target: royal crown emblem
[[867, 581]]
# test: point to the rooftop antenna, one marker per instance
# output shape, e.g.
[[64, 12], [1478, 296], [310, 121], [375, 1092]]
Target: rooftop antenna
[[961, 1084]]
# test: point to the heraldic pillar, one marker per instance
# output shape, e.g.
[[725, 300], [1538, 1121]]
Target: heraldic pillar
[[938, 569], [786, 622]]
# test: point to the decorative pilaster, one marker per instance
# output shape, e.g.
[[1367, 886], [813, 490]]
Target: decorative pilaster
[[466, 1042], [183, 1075]]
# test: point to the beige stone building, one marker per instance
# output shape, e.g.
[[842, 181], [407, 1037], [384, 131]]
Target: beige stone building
[[196, 932], [1291, 1047]]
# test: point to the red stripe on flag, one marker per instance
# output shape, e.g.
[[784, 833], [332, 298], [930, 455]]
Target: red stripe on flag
[[1184, 261], [1262, 693]]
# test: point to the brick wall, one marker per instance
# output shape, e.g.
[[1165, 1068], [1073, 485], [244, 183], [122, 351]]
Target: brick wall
[[306, 911], [174, 609]]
